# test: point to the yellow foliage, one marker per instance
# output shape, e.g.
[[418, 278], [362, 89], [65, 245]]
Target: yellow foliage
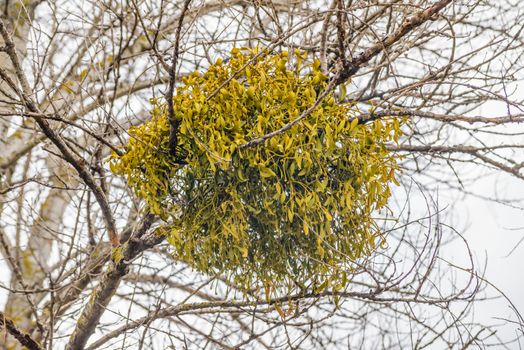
[[291, 211]]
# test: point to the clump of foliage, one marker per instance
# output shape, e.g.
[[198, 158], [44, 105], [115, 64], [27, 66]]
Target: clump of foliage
[[293, 211]]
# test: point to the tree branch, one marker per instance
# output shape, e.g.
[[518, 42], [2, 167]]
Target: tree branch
[[23, 338], [78, 164], [174, 124], [103, 293], [407, 26]]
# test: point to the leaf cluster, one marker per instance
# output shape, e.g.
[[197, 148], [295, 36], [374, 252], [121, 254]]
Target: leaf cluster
[[293, 211]]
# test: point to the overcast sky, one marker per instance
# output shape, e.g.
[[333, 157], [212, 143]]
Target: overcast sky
[[493, 231]]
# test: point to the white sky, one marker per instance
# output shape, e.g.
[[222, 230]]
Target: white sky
[[493, 230]]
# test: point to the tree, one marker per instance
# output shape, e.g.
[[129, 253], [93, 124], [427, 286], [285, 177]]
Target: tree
[[88, 264]]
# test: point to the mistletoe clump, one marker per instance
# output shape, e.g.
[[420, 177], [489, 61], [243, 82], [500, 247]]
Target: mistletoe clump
[[294, 210]]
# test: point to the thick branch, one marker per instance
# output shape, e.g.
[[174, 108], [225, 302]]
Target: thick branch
[[103, 293], [407, 26], [23, 338]]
